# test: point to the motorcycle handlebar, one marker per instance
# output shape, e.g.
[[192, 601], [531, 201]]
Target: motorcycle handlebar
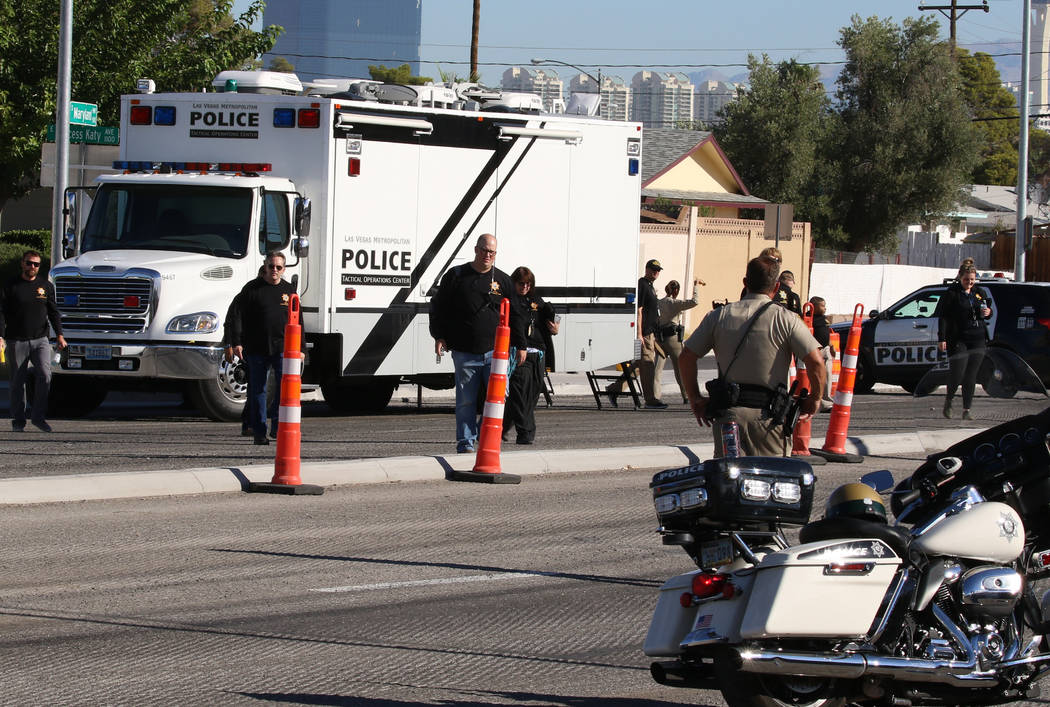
[[910, 497]]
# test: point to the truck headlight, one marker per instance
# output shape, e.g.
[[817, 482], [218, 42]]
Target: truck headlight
[[196, 323]]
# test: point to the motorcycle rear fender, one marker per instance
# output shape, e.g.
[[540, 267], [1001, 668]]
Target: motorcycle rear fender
[[671, 621]]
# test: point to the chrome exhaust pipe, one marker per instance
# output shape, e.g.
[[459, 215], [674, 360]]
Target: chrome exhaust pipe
[[850, 666], [855, 665]]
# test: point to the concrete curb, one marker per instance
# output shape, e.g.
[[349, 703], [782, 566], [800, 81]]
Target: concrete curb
[[139, 484]]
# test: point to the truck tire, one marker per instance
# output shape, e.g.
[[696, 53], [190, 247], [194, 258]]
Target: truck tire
[[73, 396], [223, 397], [358, 397]]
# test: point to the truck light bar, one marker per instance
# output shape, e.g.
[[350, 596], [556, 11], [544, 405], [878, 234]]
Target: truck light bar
[[144, 166], [506, 132], [150, 115], [347, 120]]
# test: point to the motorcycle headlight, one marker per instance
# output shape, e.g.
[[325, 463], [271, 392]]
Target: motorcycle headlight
[[786, 492], [668, 503], [691, 498], [196, 323], [754, 489]]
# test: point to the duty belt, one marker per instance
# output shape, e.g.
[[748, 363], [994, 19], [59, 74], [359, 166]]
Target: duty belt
[[754, 396]]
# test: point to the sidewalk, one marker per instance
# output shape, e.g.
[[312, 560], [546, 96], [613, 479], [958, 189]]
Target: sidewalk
[[98, 486]]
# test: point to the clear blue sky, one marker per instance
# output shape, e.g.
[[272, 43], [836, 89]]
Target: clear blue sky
[[623, 36]]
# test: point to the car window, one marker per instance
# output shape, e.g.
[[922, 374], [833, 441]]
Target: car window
[[921, 305]]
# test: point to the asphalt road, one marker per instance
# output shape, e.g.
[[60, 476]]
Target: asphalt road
[[137, 433], [378, 595]]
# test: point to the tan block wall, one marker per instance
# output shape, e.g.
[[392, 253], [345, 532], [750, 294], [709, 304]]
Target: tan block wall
[[721, 249]]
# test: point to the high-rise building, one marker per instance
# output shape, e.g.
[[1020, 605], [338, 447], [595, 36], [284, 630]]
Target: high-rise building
[[1039, 74], [616, 95], [661, 100], [709, 98], [543, 82], [341, 38]]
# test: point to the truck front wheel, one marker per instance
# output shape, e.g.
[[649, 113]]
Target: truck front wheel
[[221, 398], [358, 397]]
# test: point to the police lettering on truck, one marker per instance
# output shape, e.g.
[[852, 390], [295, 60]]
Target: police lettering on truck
[[376, 265]]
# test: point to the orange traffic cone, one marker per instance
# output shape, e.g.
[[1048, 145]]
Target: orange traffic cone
[[286, 463], [800, 435], [834, 449], [486, 465]]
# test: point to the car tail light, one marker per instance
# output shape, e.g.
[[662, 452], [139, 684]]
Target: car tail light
[[1044, 321]]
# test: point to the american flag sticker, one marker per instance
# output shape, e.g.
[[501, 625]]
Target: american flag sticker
[[703, 621]]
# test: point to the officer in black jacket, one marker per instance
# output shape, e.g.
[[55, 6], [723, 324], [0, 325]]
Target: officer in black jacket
[[261, 311], [464, 315], [27, 304], [962, 330], [527, 380]]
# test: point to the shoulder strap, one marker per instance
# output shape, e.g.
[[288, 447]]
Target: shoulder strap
[[743, 338]]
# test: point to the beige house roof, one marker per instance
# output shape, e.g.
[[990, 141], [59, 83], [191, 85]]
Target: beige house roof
[[689, 166]]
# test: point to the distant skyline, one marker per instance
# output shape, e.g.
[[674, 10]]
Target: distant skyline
[[613, 36]]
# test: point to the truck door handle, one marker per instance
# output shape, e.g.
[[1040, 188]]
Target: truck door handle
[[920, 326]]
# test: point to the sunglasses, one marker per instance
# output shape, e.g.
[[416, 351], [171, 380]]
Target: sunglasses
[[31, 263], [486, 251], [273, 266]]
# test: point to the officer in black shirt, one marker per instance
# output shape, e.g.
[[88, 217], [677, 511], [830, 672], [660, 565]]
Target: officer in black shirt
[[785, 296], [261, 313], [962, 330], [463, 319], [526, 382], [648, 322], [27, 304]]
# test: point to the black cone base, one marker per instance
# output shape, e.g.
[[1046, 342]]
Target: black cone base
[[483, 478], [810, 459], [285, 489], [841, 458]]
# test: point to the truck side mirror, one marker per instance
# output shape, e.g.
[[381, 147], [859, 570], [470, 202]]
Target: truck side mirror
[[69, 225], [302, 216], [301, 247]]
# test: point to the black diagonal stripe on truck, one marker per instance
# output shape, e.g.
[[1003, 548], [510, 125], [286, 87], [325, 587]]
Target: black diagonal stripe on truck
[[392, 324]]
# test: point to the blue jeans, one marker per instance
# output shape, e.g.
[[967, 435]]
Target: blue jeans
[[258, 366], [472, 372]]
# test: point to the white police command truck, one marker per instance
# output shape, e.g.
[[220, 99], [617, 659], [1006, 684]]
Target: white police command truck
[[398, 183]]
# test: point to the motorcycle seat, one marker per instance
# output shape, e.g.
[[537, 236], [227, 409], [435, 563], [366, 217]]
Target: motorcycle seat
[[842, 528]]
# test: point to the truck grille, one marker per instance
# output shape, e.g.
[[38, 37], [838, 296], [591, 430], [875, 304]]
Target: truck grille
[[104, 304]]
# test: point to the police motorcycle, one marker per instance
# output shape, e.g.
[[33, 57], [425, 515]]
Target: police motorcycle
[[944, 607]]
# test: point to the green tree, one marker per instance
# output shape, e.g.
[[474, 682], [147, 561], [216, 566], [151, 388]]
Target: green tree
[[989, 100], [400, 74], [279, 63], [772, 134], [180, 44], [902, 141]]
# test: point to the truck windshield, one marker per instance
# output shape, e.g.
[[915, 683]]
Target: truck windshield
[[212, 220]]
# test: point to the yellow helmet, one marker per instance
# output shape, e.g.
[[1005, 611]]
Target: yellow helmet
[[856, 500]]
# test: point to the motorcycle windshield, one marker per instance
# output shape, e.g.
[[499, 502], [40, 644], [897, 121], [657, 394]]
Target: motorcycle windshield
[[1001, 373]]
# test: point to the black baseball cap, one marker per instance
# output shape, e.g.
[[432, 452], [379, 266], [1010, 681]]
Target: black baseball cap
[[654, 264]]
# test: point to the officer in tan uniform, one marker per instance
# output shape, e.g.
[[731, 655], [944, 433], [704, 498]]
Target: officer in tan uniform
[[753, 345]]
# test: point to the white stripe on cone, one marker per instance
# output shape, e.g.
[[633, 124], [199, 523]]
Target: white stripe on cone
[[849, 361], [290, 414], [500, 366], [292, 367], [494, 411], [843, 398]]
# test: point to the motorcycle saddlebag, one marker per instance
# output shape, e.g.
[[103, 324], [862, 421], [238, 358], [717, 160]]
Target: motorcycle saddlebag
[[830, 588], [734, 493]]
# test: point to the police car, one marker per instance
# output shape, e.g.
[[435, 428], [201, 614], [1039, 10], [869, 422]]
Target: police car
[[899, 344]]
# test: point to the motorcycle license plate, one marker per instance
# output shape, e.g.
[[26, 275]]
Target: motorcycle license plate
[[716, 553], [98, 353]]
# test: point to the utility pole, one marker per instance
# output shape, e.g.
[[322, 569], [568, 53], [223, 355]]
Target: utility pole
[[475, 26], [1022, 146], [65, 53], [952, 12]]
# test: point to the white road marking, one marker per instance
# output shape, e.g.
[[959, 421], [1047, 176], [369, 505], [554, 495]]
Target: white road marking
[[427, 582]]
